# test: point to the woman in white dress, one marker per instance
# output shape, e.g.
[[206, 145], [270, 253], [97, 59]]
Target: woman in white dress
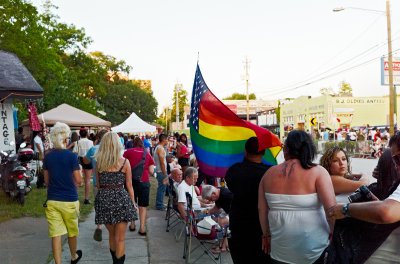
[[294, 200]]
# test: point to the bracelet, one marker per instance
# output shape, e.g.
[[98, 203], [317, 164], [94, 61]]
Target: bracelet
[[345, 210]]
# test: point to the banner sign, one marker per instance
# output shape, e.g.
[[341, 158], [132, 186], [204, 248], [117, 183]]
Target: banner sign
[[385, 71], [6, 127]]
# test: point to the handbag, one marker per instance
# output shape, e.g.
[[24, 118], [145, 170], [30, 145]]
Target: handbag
[[137, 171]]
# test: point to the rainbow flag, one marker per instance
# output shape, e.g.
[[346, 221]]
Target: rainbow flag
[[218, 135]]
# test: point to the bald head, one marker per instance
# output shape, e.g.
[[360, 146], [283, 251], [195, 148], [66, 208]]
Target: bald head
[[176, 174]]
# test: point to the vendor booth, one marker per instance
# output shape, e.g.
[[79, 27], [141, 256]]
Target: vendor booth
[[134, 124], [71, 116]]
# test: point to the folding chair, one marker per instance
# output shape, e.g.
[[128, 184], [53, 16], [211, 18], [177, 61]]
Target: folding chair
[[172, 215], [206, 241]]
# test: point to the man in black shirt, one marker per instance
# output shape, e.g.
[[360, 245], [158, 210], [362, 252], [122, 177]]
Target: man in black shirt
[[221, 196], [242, 180]]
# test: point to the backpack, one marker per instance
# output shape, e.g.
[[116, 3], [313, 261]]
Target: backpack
[[137, 171]]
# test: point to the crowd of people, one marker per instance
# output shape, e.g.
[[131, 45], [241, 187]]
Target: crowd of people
[[295, 212]]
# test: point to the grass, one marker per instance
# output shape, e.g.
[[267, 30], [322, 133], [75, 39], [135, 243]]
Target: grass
[[10, 208]]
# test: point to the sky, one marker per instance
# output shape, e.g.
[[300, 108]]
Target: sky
[[288, 43]]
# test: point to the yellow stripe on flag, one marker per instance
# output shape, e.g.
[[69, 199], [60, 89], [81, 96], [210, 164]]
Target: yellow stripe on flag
[[225, 133], [275, 150]]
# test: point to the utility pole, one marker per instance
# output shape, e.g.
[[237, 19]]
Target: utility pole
[[166, 120], [391, 88], [177, 89], [246, 67]]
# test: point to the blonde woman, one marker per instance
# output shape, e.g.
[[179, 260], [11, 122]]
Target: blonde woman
[[114, 205], [62, 177]]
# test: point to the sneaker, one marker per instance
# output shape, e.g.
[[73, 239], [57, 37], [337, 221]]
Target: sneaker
[[86, 201], [161, 209], [97, 234]]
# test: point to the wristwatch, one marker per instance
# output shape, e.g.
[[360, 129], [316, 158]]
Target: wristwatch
[[345, 210]]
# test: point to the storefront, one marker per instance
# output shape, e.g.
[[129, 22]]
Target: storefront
[[328, 112]]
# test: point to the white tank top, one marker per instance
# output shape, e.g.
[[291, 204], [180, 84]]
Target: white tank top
[[299, 230]]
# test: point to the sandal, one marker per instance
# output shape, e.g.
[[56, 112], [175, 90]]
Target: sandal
[[142, 233], [79, 253], [132, 229]]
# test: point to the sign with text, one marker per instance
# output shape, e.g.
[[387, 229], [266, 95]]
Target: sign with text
[[385, 71], [7, 127]]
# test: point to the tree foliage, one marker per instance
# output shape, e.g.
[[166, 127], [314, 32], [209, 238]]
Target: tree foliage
[[182, 102], [55, 54], [123, 98], [345, 89], [239, 96]]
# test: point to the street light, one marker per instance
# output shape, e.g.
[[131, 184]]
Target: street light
[[390, 59]]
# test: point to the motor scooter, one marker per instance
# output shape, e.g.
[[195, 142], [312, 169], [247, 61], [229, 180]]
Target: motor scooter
[[25, 157], [14, 180]]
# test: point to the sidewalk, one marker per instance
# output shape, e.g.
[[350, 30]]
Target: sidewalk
[[158, 247], [26, 240]]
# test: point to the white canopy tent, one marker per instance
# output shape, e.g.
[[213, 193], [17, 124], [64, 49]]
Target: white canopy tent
[[133, 124]]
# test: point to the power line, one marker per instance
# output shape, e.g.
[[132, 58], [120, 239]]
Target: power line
[[328, 76], [369, 50]]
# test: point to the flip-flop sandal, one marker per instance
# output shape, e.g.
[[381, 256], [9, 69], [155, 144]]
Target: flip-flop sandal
[[142, 233], [132, 229]]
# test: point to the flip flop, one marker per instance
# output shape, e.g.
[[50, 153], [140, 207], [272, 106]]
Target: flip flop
[[142, 233], [132, 229], [79, 253]]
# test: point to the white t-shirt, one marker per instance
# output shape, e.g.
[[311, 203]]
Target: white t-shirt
[[183, 187], [38, 141], [395, 195], [84, 145]]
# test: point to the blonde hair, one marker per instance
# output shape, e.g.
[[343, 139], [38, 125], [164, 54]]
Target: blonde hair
[[109, 152], [59, 133]]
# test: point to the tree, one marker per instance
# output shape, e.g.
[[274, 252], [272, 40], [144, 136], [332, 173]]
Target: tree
[[239, 96], [345, 89], [123, 97], [41, 42], [164, 119], [182, 100], [327, 91], [54, 53]]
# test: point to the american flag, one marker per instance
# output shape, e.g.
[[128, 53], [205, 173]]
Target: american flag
[[199, 88]]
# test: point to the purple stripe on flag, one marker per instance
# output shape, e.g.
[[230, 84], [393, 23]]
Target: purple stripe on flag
[[211, 170]]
